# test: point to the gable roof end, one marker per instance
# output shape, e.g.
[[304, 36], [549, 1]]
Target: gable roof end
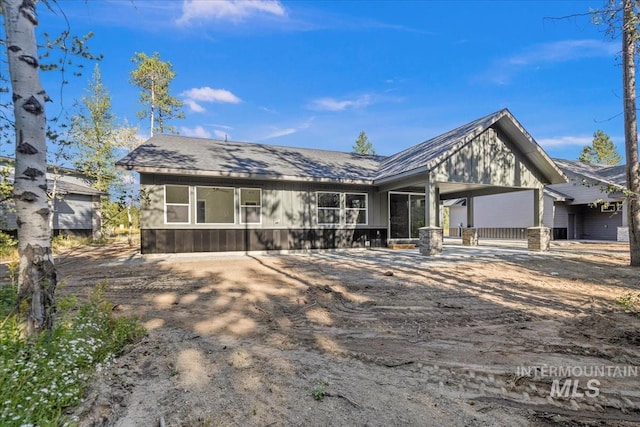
[[427, 155]]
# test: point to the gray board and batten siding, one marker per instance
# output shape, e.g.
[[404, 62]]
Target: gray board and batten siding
[[207, 195], [288, 218]]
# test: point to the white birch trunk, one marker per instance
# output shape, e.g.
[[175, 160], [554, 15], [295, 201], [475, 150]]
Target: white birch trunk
[[37, 277]]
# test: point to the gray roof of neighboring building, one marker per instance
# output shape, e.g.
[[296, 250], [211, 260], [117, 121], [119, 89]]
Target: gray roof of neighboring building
[[610, 175], [67, 182], [66, 187], [172, 154], [195, 156]]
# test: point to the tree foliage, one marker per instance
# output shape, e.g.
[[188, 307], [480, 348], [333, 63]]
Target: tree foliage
[[153, 76], [93, 132], [602, 151], [363, 145]]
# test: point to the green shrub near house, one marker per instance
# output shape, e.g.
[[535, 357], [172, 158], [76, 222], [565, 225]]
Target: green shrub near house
[[44, 375]]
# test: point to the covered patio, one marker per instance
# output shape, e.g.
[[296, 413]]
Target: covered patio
[[492, 155]]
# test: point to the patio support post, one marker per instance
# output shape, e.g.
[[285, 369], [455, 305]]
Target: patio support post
[[431, 204], [538, 236], [431, 236], [470, 234]]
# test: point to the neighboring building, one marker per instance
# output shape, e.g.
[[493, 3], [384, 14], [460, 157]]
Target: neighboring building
[[591, 206], [210, 195], [76, 208]]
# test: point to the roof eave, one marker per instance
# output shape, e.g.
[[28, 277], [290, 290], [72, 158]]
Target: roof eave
[[239, 175], [530, 148]]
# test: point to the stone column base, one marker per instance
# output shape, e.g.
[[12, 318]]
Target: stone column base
[[623, 234], [430, 240], [470, 236], [538, 239]]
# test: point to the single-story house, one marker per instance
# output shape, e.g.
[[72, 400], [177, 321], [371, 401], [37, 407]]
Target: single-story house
[[591, 205], [205, 195], [76, 207]]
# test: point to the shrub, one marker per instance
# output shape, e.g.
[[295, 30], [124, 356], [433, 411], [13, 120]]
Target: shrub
[[8, 245], [43, 375]]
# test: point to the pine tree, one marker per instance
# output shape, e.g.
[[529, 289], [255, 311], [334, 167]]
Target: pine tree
[[93, 134], [602, 151], [363, 145], [153, 77]]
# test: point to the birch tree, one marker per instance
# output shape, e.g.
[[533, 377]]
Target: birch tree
[[128, 141], [37, 279]]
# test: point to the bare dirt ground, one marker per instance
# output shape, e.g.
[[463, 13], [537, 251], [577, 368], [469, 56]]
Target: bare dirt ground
[[381, 337]]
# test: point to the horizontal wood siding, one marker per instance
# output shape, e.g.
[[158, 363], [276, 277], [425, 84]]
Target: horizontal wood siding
[[234, 240], [600, 225], [506, 210]]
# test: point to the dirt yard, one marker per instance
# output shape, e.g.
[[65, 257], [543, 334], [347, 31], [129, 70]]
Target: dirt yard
[[368, 338]]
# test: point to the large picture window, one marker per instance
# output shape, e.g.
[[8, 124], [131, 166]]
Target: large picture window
[[355, 208], [328, 208], [250, 205], [215, 205], [177, 204]]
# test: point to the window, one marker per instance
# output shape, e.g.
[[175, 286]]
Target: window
[[250, 205], [355, 208], [328, 208], [611, 207], [216, 205], [177, 204], [342, 208]]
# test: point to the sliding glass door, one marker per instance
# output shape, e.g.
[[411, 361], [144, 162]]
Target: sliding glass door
[[406, 215]]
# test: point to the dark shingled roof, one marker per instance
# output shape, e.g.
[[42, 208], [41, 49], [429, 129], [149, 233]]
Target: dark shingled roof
[[427, 154], [611, 175], [209, 157]]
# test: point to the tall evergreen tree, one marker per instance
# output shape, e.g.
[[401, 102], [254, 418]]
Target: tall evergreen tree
[[602, 151], [363, 145], [153, 76], [93, 131]]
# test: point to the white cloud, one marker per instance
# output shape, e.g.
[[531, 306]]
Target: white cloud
[[193, 97], [538, 55], [563, 51], [232, 10], [276, 132], [565, 141], [198, 132], [194, 106], [332, 104], [220, 134]]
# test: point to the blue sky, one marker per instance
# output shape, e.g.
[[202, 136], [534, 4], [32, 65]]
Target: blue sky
[[316, 73]]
